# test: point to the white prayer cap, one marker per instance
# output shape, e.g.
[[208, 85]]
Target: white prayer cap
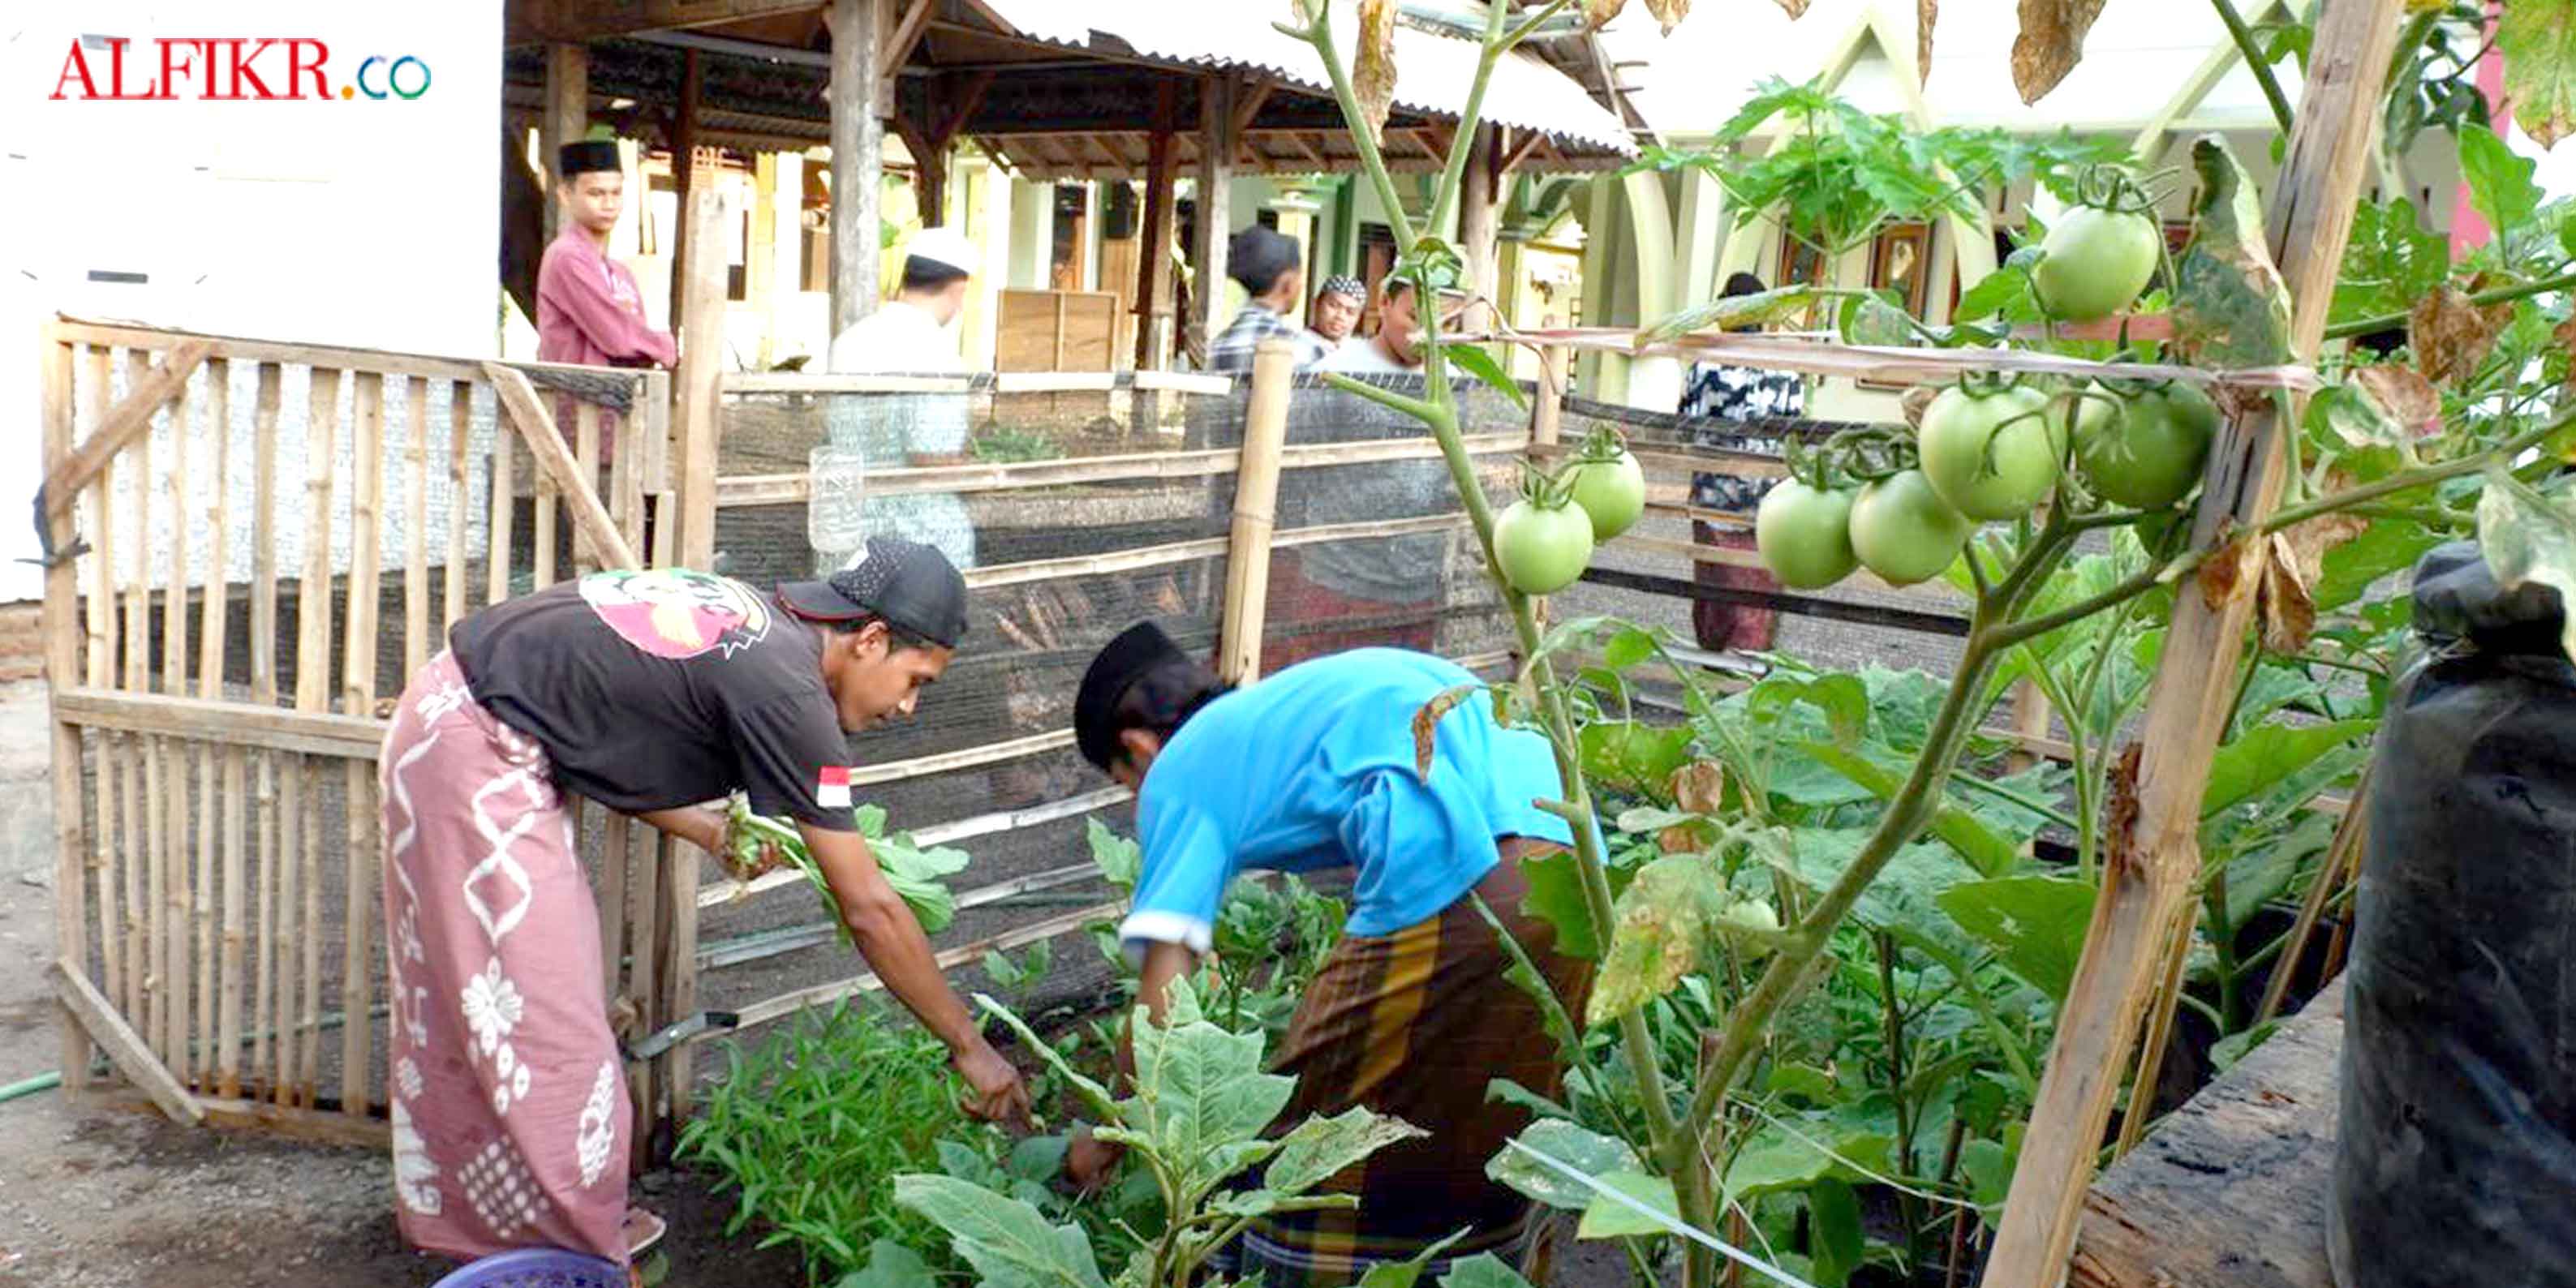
[[943, 245]]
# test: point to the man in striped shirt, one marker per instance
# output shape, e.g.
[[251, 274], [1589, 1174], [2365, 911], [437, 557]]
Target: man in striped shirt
[[1264, 262]]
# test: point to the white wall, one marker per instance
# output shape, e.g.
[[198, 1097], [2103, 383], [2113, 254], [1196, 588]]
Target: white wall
[[353, 222]]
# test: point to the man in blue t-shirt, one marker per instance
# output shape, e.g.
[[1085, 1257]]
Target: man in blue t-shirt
[[1411, 1014]]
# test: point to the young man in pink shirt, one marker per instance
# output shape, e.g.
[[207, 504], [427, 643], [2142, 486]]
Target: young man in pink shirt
[[588, 308]]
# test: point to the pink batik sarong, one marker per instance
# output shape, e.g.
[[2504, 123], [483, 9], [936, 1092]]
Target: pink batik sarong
[[509, 1099]]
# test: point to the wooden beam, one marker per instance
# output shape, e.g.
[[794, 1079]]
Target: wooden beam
[[129, 420], [528, 21], [125, 1049], [1214, 221], [1480, 218], [1521, 149], [312, 733], [565, 119], [1153, 249], [2148, 880], [699, 383], [905, 37], [857, 147], [545, 442], [684, 168], [970, 95], [1250, 96]]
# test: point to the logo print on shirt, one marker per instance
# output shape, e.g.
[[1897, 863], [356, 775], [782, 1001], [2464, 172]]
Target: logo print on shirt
[[676, 613]]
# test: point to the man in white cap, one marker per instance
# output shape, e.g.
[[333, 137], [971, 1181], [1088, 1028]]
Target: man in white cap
[[910, 335]]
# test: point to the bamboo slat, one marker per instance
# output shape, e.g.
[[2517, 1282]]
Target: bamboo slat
[[100, 673], [1256, 497], [130, 421], [308, 1022], [145, 883], [138, 588], [460, 424], [541, 530], [617, 859], [137, 842], [124, 1047], [556, 464], [644, 979], [217, 603], [156, 912], [416, 528], [267, 839], [300, 983], [585, 424], [228, 1007], [358, 700], [501, 548], [179, 915], [64, 649], [1127, 467]]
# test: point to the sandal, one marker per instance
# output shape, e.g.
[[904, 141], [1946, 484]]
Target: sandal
[[642, 1231]]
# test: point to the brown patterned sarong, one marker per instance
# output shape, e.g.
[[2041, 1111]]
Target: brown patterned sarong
[[1415, 1025], [509, 1098]]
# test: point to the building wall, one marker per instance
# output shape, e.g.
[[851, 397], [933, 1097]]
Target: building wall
[[354, 222]]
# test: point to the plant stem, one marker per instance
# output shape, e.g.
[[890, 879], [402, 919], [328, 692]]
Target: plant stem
[[1415, 407], [2494, 295], [1319, 33], [2254, 60], [1469, 121], [2415, 478]]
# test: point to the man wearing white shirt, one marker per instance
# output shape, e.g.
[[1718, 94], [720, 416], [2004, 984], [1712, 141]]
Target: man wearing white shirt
[[911, 334]]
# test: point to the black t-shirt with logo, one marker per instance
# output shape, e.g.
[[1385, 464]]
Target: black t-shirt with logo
[[666, 687]]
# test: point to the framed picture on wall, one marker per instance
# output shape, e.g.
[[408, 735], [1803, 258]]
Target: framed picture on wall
[[1799, 262], [1900, 260]]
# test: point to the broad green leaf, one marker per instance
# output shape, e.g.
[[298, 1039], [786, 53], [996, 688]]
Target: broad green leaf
[[1907, 892], [1607, 1218], [1834, 1239], [1588, 1152], [1762, 308], [1483, 1270], [1902, 704], [2231, 308], [1843, 698], [1628, 648], [2500, 183], [1404, 1274], [1556, 897], [2272, 687], [2263, 870], [1869, 319], [2004, 293], [1479, 362], [2352, 568], [2527, 537], [2390, 262], [2035, 925], [1988, 853], [1037, 1158], [2269, 754], [1988, 1165], [1320, 1147], [1634, 756], [1203, 1088], [1119, 858], [1802, 1080], [1660, 922], [1008, 1242], [890, 1265], [1776, 1159]]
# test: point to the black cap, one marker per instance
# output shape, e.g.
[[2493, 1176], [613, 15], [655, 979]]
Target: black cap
[[1256, 256], [1138, 649], [910, 585], [584, 156]]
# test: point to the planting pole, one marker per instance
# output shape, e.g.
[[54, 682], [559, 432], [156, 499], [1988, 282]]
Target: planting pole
[[2151, 868], [1256, 505]]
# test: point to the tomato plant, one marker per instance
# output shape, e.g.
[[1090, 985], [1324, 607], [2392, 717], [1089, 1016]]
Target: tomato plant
[[2144, 450], [2099, 255], [1542, 544], [1903, 531], [1804, 534], [1609, 484], [1990, 449]]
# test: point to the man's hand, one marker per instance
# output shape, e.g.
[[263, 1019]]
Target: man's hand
[[997, 1093], [1088, 1160]]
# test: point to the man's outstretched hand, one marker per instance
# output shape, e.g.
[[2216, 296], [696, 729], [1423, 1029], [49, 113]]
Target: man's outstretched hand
[[995, 1092]]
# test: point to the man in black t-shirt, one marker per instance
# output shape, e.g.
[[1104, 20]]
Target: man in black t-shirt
[[648, 691]]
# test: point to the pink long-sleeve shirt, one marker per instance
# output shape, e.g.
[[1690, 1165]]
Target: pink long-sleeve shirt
[[589, 310]]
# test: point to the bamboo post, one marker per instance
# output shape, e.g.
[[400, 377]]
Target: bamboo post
[[2148, 881], [267, 844], [616, 857], [358, 698], [212, 628], [177, 909], [1547, 411], [500, 549], [556, 466], [2029, 720], [1256, 504], [460, 424], [101, 673], [585, 459], [415, 528], [300, 895], [64, 631], [143, 843]]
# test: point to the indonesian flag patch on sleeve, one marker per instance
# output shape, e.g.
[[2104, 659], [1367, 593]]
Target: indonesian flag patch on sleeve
[[832, 787]]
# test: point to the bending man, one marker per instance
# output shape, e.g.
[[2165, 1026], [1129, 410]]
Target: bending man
[[1411, 1014], [646, 691]]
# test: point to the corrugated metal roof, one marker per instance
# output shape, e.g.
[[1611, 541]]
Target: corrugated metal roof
[[1433, 73]]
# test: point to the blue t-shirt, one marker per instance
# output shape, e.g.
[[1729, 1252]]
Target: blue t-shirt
[[1314, 768]]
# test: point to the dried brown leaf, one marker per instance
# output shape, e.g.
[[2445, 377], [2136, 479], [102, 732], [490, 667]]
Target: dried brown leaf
[[1699, 786], [1680, 838], [1426, 717], [2283, 605], [2228, 570], [2565, 334], [1924, 12], [1797, 8], [1598, 13], [1669, 13], [1914, 401], [2411, 402], [2451, 335], [2050, 44], [1373, 64]]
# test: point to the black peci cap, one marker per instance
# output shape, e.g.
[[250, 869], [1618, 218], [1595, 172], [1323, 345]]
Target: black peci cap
[[910, 585], [1138, 649], [585, 156]]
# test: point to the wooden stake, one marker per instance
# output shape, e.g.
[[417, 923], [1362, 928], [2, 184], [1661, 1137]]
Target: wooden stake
[[2147, 885], [156, 913], [181, 913], [1547, 411], [500, 552], [701, 345], [617, 859], [268, 845], [301, 898], [558, 471], [358, 698], [63, 629], [101, 674], [1256, 503], [124, 1048], [308, 1023], [415, 530], [585, 459], [460, 424], [147, 387], [143, 975], [211, 638]]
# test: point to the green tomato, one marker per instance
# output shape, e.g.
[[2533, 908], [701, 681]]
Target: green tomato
[[1805, 535], [1613, 492], [2095, 263], [1992, 454], [1542, 550], [2149, 455], [1903, 531]]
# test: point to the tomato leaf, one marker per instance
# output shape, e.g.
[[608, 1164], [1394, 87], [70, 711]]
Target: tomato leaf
[[2268, 754], [1480, 363], [1556, 897], [2232, 309], [2050, 44], [1588, 1152], [2528, 537], [2391, 261], [1762, 308], [1660, 922], [1834, 1239], [2035, 925], [1875, 319], [2384, 546], [2450, 334], [1987, 852], [1607, 1218], [2538, 40]]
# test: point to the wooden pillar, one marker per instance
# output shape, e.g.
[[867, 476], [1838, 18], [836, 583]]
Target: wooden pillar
[[566, 117], [760, 253], [857, 142], [1153, 297], [1256, 496], [1480, 214], [2148, 879], [684, 166], [63, 635], [1213, 224]]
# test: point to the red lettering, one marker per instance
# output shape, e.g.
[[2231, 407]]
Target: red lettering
[[116, 70], [243, 71], [173, 69], [296, 49], [75, 64]]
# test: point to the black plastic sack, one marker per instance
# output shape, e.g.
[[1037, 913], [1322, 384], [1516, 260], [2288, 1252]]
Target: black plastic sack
[[2456, 1159]]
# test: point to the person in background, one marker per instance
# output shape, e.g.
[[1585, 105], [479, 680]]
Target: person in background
[[1725, 407], [647, 691], [912, 334], [589, 310], [1264, 263], [1336, 310]]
